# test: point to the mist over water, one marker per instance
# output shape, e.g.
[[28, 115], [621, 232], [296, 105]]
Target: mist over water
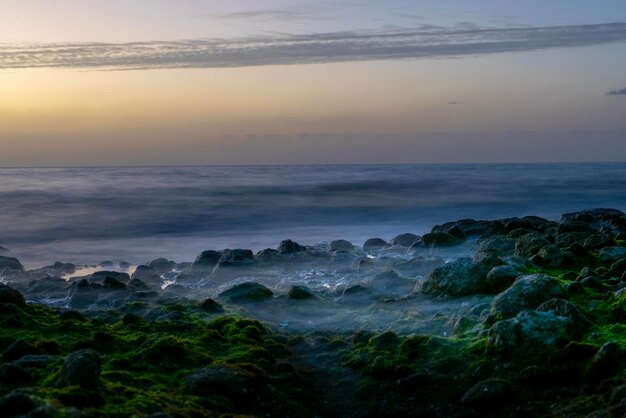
[[86, 215]]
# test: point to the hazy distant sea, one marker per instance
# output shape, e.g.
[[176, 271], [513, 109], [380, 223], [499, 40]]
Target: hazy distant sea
[[86, 215]]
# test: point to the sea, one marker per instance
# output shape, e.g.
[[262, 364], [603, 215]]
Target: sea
[[135, 214]]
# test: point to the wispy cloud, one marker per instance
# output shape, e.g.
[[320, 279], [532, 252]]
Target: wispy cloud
[[619, 92], [294, 13], [307, 48]]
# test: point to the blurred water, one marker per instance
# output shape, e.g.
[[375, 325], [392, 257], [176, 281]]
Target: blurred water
[[85, 215]]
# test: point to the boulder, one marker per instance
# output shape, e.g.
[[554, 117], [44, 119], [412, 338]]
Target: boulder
[[611, 254], [13, 376], [404, 240], [17, 403], [247, 292], [18, 349], [10, 263], [100, 276], [530, 244], [267, 255], [566, 309], [300, 293], [605, 363], [211, 306], [207, 259], [498, 244], [461, 277], [290, 247], [598, 241], [224, 380], [162, 265], [391, 284], [530, 333], [374, 244], [146, 274], [487, 394], [341, 245], [500, 278], [439, 239], [81, 368], [527, 292], [237, 257], [11, 296]]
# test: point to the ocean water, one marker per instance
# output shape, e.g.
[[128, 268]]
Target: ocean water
[[86, 215]]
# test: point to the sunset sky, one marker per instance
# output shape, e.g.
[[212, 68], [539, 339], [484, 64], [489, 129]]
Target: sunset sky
[[185, 82]]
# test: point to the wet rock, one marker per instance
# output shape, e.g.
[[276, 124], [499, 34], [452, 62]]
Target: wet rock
[[405, 240], [374, 244], [10, 263], [487, 394], [18, 349], [247, 292], [113, 284], [341, 245], [3, 250], [290, 247], [105, 263], [499, 245], [211, 306], [618, 268], [464, 276], [611, 254], [62, 268], [598, 241], [13, 376], [300, 293], [500, 278], [17, 403], [267, 255], [33, 361], [81, 368], [207, 259], [124, 265], [605, 363], [568, 239], [390, 283], [100, 276], [162, 265], [591, 282], [11, 296], [574, 288], [564, 308], [225, 380], [439, 239], [549, 256], [530, 244], [469, 227], [146, 274], [237, 257], [530, 331], [136, 284], [527, 292]]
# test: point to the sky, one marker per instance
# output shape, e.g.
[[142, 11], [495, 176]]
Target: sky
[[194, 82]]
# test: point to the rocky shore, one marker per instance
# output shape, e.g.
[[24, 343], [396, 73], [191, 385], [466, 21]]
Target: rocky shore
[[513, 317]]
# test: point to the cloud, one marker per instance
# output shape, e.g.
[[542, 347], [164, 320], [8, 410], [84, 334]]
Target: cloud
[[620, 92], [306, 48], [295, 13]]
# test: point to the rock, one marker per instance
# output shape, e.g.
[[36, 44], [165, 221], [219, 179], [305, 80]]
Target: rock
[[598, 241], [124, 265], [487, 394], [405, 240], [17, 403], [499, 245], [162, 265], [300, 293], [13, 376], [237, 257], [564, 308], [100, 276], [390, 283], [618, 394], [105, 263], [461, 277], [500, 278], [374, 244], [568, 239], [211, 306], [72, 315], [3, 250], [18, 349], [11, 296], [267, 255], [225, 380], [290, 247], [247, 292], [137, 284], [33, 361], [530, 332], [530, 244], [341, 245], [207, 259], [10, 263], [605, 363], [62, 268], [439, 239], [618, 268], [549, 256], [113, 284], [527, 292], [81, 368], [609, 255], [146, 274], [591, 282]]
